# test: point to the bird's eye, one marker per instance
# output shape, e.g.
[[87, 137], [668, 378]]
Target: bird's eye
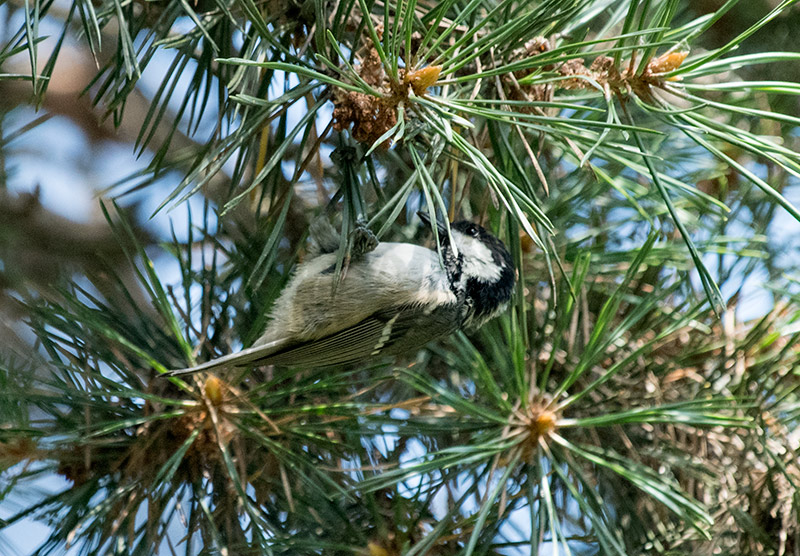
[[472, 230]]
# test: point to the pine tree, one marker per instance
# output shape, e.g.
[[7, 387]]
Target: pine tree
[[620, 406]]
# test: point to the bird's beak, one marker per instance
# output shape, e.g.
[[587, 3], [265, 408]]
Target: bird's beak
[[426, 218]]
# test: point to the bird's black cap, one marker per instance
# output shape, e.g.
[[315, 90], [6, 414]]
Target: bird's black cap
[[500, 254]]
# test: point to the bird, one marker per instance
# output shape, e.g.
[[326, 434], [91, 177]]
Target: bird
[[393, 298]]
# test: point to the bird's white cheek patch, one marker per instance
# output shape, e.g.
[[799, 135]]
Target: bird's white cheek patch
[[478, 261]]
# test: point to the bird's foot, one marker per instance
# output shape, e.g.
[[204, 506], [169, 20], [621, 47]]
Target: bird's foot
[[362, 241], [324, 237]]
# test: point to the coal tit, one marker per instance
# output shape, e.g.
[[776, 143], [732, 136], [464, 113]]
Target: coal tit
[[394, 298]]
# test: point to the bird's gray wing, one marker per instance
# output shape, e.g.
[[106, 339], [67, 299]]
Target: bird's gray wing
[[239, 359], [386, 332]]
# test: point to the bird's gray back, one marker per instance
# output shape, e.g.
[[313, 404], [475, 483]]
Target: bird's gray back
[[313, 306]]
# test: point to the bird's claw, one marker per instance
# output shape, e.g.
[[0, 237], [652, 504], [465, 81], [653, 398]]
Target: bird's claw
[[362, 241]]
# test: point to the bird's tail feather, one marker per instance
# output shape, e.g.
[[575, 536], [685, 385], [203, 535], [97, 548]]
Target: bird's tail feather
[[242, 358]]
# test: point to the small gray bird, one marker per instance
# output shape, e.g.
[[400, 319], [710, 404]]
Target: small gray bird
[[394, 298]]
